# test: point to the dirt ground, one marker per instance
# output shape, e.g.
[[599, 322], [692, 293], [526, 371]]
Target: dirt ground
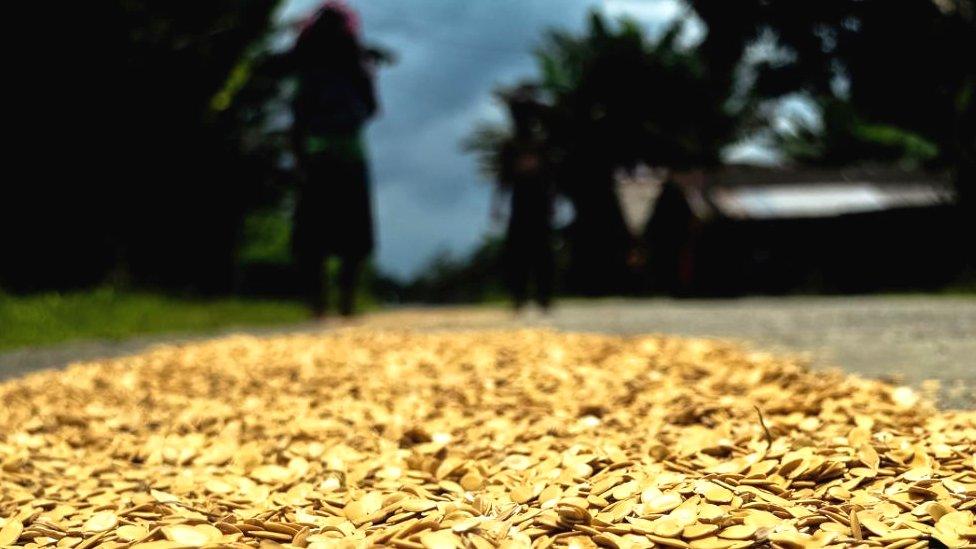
[[906, 338]]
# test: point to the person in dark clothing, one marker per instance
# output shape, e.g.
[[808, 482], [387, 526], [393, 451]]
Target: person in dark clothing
[[334, 100], [526, 174]]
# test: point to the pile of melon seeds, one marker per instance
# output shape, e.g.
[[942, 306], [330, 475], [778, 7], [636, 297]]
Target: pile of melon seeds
[[516, 439]]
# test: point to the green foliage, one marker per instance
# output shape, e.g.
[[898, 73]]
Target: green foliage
[[171, 147], [890, 78], [266, 238], [613, 98], [844, 138], [49, 318], [487, 142], [619, 99], [474, 278]]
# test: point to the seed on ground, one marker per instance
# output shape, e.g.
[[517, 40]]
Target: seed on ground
[[516, 439]]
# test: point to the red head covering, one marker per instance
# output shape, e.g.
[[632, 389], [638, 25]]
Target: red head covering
[[343, 10]]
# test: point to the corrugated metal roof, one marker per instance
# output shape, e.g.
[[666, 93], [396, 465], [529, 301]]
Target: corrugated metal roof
[[824, 199], [751, 192]]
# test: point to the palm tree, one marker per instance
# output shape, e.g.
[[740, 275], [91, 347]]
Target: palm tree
[[616, 99]]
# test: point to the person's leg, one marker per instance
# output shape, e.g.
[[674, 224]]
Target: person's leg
[[305, 246], [517, 270], [545, 273], [312, 278], [348, 276]]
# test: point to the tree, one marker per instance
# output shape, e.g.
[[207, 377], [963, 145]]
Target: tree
[[156, 159], [616, 99], [894, 81]]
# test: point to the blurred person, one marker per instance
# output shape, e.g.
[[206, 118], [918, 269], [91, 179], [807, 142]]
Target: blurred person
[[526, 175], [334, 100]]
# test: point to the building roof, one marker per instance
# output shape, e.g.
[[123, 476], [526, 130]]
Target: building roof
[[740, 192]]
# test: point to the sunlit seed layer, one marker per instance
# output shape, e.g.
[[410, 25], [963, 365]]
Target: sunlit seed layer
[[444, 440]]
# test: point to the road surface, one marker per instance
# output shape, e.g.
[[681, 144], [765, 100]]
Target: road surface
[[908, 339]]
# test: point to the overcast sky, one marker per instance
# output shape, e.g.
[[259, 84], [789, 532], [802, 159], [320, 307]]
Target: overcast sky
[[428, 195]]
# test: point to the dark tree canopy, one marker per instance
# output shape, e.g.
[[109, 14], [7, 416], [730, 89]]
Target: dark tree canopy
[[893, 83], [616, 99], [159, 147], [894, 80]]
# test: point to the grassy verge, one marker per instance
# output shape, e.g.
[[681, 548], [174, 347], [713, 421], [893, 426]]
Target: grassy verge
[[105, 314]]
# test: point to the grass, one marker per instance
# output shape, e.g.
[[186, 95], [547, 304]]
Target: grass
[[49, 318]]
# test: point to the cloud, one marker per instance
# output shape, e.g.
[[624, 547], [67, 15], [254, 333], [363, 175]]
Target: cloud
[[643, 10]]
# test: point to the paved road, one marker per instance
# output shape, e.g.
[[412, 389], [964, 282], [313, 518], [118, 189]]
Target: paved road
[[908, 338]]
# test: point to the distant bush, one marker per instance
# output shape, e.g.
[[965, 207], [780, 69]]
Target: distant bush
[[473, 278]]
